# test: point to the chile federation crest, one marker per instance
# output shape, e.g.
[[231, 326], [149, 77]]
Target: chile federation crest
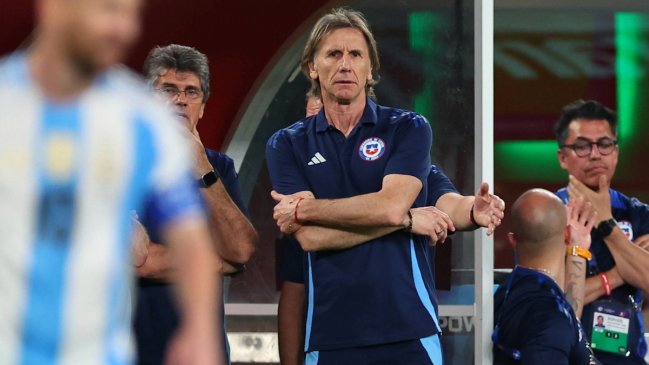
[[371, 149]]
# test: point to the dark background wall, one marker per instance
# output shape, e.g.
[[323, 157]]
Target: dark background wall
[[540, 65], [239, 37]]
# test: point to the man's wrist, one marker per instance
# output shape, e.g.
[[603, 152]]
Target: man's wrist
[[295, 214], [606, 285], [472, 217], [208, 179], [202, 164], [614, 278], [579, 251], [605, 217], [606, 227], [408, 222]]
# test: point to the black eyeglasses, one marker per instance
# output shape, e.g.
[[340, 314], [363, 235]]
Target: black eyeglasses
[[171, 92], [584, 147]]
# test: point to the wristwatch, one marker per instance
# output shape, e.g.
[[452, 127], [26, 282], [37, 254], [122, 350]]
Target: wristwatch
[[209, 179], [606, 227], [579, 252]]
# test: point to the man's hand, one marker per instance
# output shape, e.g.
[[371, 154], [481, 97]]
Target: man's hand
[[581, 220], [432, 222], [488, 209], [284, 211], [642, 242], [600, 200], [139, 243], [201, 164]]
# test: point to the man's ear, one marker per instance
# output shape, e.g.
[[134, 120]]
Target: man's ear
[[562, 159], [369, 76], [512, 240], [200, 114], [313, 73]]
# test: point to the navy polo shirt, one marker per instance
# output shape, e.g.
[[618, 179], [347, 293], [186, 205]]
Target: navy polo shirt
[[536, 320], [292, 264], [633, 218], [156, 316], [438, 185], [381, 291]]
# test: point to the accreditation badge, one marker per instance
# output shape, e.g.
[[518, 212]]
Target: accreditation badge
[[610, 330]]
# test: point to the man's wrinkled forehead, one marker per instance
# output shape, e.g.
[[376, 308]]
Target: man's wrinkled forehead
[[331, 30]]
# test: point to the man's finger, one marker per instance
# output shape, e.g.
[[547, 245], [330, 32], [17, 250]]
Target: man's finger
[[577, 207], [449, 223], [276, 196], [578, 186], [304, 194], [603, 183], [483, 190], [573, 192], [642, 241], [490, 229], [285, 228], [499, 205], [644, 244], [592, 220], [573, 182], [497, 209]]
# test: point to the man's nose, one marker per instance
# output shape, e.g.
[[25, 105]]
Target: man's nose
[[180, 98], [594, 152], [345, 63]]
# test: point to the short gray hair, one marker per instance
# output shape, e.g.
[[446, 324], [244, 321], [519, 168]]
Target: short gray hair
[[336, 19], [180, 58]]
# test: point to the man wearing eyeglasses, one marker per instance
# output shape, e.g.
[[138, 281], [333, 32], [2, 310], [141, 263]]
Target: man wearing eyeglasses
[[180, 76], [618, 272]]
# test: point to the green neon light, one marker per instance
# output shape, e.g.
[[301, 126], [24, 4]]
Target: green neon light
[[537, 160], [630, 37], [534, 160], [422, 28]]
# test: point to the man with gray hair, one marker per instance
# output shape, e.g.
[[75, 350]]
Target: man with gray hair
[[181, 76], [351, 187]]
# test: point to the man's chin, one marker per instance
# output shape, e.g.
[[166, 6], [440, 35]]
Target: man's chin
[[345, 99]]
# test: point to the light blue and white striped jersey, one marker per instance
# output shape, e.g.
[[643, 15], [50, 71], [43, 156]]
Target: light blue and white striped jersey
[[70, 174]]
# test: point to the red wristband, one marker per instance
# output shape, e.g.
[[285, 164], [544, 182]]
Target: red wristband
[[605, 282], [472, 218], [297, 220]]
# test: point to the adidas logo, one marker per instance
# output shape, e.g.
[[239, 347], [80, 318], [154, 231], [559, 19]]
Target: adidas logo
[[316, 159]]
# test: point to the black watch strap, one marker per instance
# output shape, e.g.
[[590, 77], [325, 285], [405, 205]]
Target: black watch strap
[[209, 179], [606, 227]]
